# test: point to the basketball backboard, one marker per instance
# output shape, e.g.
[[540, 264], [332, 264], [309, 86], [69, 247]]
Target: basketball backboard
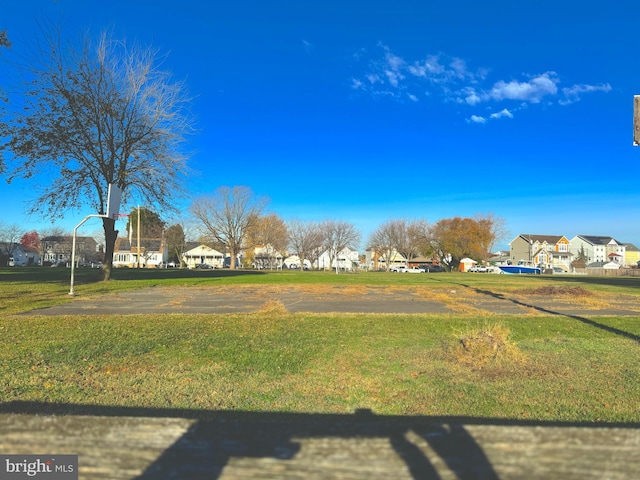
[[113, 201]]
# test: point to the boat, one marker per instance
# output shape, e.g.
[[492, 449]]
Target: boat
[[521, 267]]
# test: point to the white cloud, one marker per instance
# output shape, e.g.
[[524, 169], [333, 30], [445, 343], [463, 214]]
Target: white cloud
[[573, 94], [470, 96], [388, 75], [532, 91], [476, 119], [502, 113]]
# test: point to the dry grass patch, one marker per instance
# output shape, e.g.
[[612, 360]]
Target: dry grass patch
[[486, 346], [454, 298], [273, 307]]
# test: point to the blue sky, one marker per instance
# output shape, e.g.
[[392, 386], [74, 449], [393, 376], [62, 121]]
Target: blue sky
[[368, 111]]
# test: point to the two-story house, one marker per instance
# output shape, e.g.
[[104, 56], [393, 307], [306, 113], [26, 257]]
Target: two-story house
[[598, 249], [545, 251], [57, 250], [347, 259]]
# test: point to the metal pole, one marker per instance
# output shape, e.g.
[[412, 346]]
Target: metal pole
[[138, 236], [73, 249]]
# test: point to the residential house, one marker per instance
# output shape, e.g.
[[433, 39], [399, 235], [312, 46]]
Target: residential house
[[422, 262], [203, 254], [499, 258], [57, 250], [599, 249], [546, 251], [631, 254], [347, 259], [375, 260], [266, 256], [153, 253], [17, 255], [293, 262]]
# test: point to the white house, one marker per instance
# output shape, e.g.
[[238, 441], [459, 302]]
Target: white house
[[598, 249], [266, 256], [153, 253], [18, 255], [293, 262], [347, 259], [203, 254]]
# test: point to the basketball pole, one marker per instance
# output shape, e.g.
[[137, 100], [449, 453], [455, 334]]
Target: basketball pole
[[636, 120], [114, 195]]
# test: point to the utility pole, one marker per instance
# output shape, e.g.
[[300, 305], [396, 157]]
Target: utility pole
[[138, 236], [636, 120]]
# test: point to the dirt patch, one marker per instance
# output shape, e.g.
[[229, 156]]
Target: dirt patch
[[550, 290]]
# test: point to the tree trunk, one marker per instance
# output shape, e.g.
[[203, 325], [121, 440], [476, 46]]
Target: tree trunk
[[232, 260], [110, 235]]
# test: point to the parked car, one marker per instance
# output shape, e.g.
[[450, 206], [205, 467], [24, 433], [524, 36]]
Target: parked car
[[405, 269], [397, 268], [204, 266], [414, 270], [478, 269], [434, 269]]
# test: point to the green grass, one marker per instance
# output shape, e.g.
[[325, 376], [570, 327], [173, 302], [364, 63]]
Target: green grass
[[564, 370]]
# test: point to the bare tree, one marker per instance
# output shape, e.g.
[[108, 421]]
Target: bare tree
[[94, 114], [176, 242], [492, 229], [305, 240], [403, 240], [228, 215], [408, 238], [10, 236], [337, 236], [420, 236], [383, 243], [270, 233]]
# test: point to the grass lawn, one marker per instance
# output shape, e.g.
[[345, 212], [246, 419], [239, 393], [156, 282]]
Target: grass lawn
[[464, 365]]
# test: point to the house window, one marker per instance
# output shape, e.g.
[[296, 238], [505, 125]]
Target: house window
[[562, 247]]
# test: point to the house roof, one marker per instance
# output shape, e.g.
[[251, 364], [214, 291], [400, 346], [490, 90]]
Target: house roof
[[202, 249], [598, 239], [532, 238], [630, 247], [150, 245], [8, 246]]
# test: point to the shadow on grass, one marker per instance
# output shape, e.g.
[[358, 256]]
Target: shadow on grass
[[592, 280], [217, 437], [547, 311], [88, 275], [171, 273]]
